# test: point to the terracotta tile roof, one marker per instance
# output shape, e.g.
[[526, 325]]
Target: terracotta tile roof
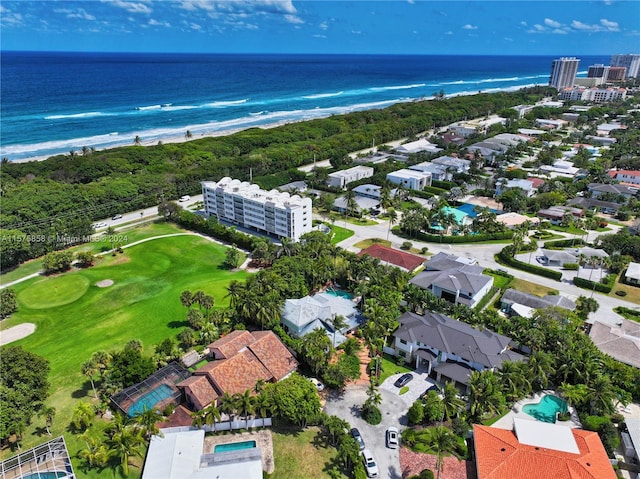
[[401, 259], [614, 173], [180, 417], [200, 390], [274, 355], [536, 181], [239, 373], [231, 343], [499, 455], [412, 463]]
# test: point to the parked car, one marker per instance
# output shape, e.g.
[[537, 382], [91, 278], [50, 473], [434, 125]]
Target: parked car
[[402, 380], [99, 225], [319, 386], [116, 217], [392, 438], [358, 437], [369, 464], [184, 198]]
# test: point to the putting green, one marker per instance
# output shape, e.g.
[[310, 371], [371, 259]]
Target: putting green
[[55, 291]]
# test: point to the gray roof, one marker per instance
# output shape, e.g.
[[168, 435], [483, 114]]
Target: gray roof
[[593, 203], [620, 341], [455, 337], [513, 296], [429, 167], [460, 279], [588, 252], [612, 188], [562, 256], [443, 261], [457, 371], [362, 202], [294, 185], [452, 162], [492, 145], [482, 150], [633, 271]]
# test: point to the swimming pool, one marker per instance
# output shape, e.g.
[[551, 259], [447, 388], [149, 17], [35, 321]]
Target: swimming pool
[[339, 293], [234, 446], [46, 475], [150, 399], [547, 409], [468, 209]]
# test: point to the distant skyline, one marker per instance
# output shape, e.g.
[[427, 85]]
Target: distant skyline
[[563, 28]]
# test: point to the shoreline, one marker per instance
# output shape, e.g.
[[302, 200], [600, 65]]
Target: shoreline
[[174, 139]]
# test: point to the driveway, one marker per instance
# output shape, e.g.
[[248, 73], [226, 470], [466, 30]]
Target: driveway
[[346, 405]]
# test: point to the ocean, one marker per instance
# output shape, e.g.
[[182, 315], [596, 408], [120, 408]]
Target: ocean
[[54, 102]]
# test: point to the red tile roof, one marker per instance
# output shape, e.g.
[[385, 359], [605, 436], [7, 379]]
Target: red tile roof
[[614, 173], [239, 373], [499, 455], [231, 343], [404, 260], [273, 354], [413, 463], [200, 390], [536, 181]]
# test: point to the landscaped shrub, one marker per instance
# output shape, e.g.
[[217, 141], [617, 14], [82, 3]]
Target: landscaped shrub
[[371, 414], [505, 257], [593, 423], [406, 245], [564, 243], [57, 261], [621, 293], [604, 287], [445, 185], [453, 239], [571, 266], [415, 415], [424, 250], [564, 416], [617, 418]]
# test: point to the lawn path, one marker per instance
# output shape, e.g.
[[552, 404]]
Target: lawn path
[[208, 238]]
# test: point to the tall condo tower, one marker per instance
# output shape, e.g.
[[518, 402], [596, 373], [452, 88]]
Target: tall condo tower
[[563, 72], [631, 61]]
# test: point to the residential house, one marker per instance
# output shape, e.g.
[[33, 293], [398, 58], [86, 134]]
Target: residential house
[[340, 179], [301, 316], [179, 454], [524, 304], [555, 214], [49, 459], [418, 146], [536, 449], [454, 138], [450, 350], [562, 168], [612, 191], [438, 172], [550, 124], [525, 186], [456, 165], [606, 128], [626, 176], [400, 259], [632, 274], [512, 220], [607, 207], [621, 340], [557, 257], [240, 360], [478, 125], [362, 204], [372, 191], [410, 179], [461, 221], [454, 279]]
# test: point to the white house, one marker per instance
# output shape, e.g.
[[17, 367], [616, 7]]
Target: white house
[[438, 172], [417, 146], [410, 179], [272, 212], [525, 186], [632, 275], [560, 168], [457, 165], [626, 176], [339, 179]]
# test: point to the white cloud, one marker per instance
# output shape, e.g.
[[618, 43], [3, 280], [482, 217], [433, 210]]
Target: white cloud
[[356, 32], [324, 26], [609, 25], [468, 26], [552, 23], [604, 26], [448, 33], [294, 19], [539, 27], [80, 13], [10, 19], [559, 31], [317, 35], [523, 23], [131, 7], [155, 23]]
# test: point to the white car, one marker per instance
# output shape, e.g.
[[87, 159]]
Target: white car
[[392, 438], [319, 386], [97, 226], [369, 464], [184, 198]]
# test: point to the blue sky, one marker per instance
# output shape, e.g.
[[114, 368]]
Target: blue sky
[[395, 27]]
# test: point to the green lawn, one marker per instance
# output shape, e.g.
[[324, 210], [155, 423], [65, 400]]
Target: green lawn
[[364, 244], [499, 281], [532, 288], [74, 317], [389, 368], [339, 234], [301, 454]]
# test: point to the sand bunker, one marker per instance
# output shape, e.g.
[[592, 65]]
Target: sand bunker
[[17, 332], [105, 283]]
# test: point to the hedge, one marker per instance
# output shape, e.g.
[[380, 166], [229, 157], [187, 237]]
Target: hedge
[[422, 194], [505, 256], [420, 236], [597, 286], [434, 190], [445, 185], [214, 229], [565, 243]]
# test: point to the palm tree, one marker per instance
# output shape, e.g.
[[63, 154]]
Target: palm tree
[[83, 415], [338, 322], [211, 414], [451, 403], [96, 454], [197, 419], [540, 366], [228, 405], [513, 376], [48, 413], [574, 394], [485, 396], [101, 360], [245, 405], [234, 290], [601, 396], [442, 442], [393, 217], [186, 298], [123, 445], [89, 369], [147, 422]]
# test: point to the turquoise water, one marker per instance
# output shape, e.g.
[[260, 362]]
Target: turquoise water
[[339, 293], [149, 400], [46, 475], [546, 409], [234, 446], [468, 209]]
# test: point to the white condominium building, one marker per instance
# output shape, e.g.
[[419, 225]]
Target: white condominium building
[[342, 178], [596, 95], [631, 62], [563, 72], [272, 212]]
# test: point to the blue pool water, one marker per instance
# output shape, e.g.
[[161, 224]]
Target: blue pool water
[[46, 475], [546, 409], [339, 293], [150, 399], [468, 209], [234, 446]]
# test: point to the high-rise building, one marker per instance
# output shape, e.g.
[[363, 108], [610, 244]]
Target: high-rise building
[[616, 74], [279, 214], [631, 61], [563, 72], [598, 71]]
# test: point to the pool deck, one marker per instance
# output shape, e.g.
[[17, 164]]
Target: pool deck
[[506, 421], [262, 438]]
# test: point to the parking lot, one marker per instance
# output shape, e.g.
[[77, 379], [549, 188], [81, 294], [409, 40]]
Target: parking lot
[[346, 405]]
